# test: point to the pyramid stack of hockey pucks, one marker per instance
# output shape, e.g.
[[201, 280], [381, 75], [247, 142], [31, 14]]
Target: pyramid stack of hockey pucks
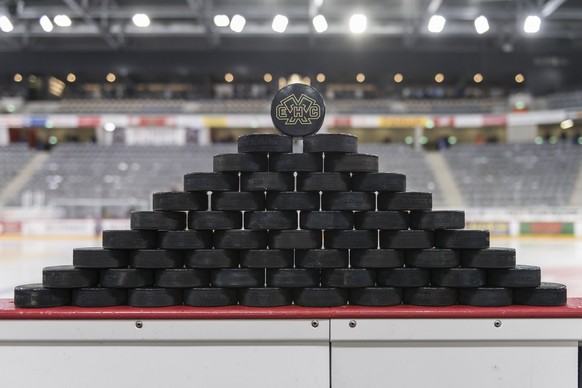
[[270, 227]]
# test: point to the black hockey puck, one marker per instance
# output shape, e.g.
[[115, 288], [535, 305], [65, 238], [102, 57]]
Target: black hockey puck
[[267, 181], [323, 181], [211, 258], [185, 239], [240, 239], [430, 296], [298, 110], [154, 297], [383, 220], [292, 277], [99, 258], [433, 258], [130, 239], [461, 239], [273, 220], [546, 294], [348, 277], [348, 200], [266, 258], [330, 142], [265, 296], [354, 163], [376, 258], [237, 277], [215, 220], [210, 297], [158, 220], [376, 296], [99, 297], [238, 201], [295, 162], [328, 220], [289, 200], [156, 258], [67, 276], [403, 277], [126, 278], [485, 296], [35, 295], [240, 163], [351, 239], [210, 181], [408, 200], [320, 297], [488, 258], [175, 201], [457, 277], [321, 258], [379, 181], [520, 276], [264, 143], [295, 239], [406, 239], [437, 219], [181, 278]]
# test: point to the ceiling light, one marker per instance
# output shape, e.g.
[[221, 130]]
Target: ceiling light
[[221, 20], [478, 78], [280, 23], [320, 24], [532, 24], [71, 77], [519, 78], [267, 77], [5, 24], [237, 23], [358, 23], [398, 78], [17, 77], [436, 23], [568, 123], [481, 25], [361, 77], [46, 23], [62, 21], [110, 77], [228, 77], [141, 20], [440, 77], [320, 77]]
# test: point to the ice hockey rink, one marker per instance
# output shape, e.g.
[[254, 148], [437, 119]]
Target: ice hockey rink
[[22, 258]]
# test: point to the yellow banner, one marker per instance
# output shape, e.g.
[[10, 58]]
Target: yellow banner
[[215, 121], [402, 121]]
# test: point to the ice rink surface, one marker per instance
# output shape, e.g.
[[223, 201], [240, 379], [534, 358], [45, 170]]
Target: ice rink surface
[[22, 259]]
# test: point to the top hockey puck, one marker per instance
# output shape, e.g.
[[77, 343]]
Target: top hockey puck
[[297, 110]]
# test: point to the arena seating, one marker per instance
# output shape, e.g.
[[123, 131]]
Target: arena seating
[[12, 159], [515, 175]]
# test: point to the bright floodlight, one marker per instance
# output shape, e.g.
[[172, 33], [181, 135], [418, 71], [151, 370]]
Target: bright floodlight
[[221, 20], [319, 23], [481, 25], [358, 23], [436, 23], [532, 24], [62, 21], [568, 123], [5, 24], [109, 126], [280, 23], [237, 23], [46, 23], [141, 20]]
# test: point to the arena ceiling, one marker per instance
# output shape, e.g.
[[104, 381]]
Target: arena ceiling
[[396, 36]]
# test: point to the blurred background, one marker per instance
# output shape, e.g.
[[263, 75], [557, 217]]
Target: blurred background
[[103, 102]]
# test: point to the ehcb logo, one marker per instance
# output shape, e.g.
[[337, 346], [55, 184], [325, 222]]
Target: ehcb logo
[[300, 110]]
